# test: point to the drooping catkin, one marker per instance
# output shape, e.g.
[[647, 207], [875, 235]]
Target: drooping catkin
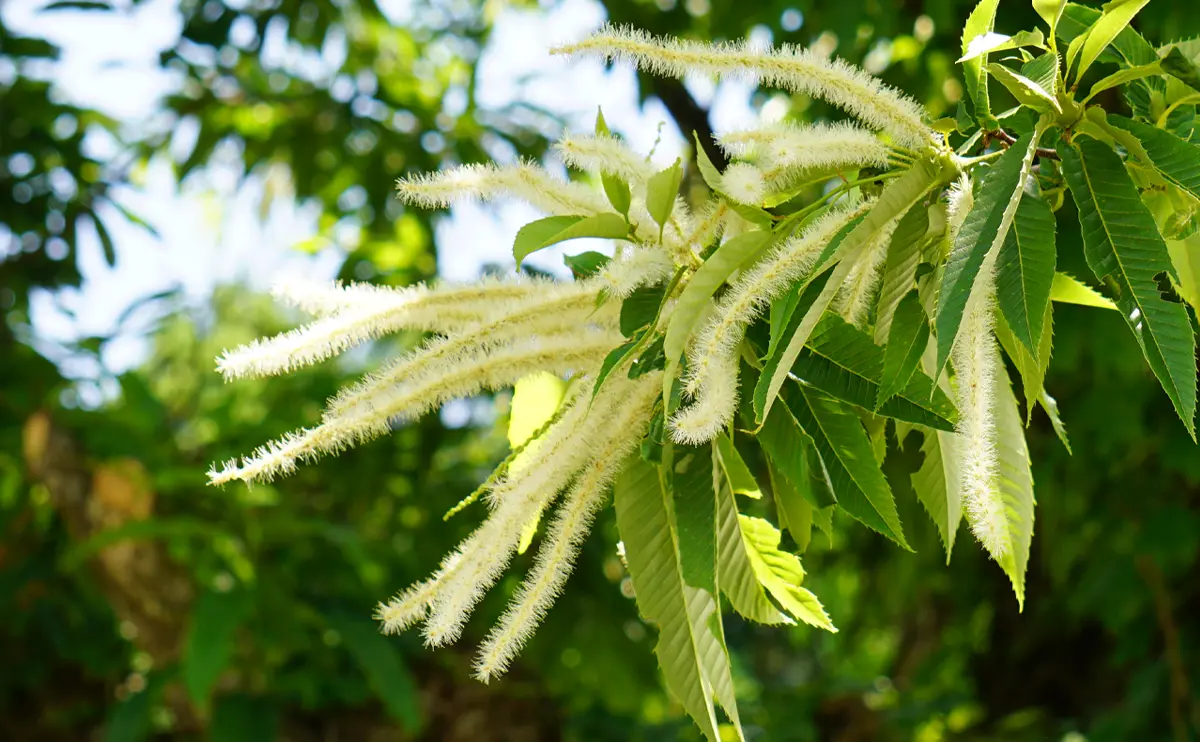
[[792, 68], [556, 558], [713, 355]]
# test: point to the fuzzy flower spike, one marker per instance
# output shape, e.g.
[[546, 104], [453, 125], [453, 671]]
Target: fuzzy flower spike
[[792, 68]]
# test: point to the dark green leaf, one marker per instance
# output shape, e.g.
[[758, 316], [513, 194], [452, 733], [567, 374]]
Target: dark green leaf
[[695, 515], [790, 450], [1177, 160], [1025, 270], [795, 510], [640, 308], [985, 228], [614, 357], [862, 491], [1124, 249], [78, 5], [842, 361], [1174, 63], [905, 344], [893, 203], [586, 264], [106, 243], [708, 171]]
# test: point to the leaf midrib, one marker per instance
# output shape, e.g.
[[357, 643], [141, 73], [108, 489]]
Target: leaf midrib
[[1144, 315]]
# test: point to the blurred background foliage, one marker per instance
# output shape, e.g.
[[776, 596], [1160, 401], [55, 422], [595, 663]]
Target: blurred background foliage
[[139, 604]]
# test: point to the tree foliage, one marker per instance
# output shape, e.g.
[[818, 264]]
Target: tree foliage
[[923, 650], [759, 240]]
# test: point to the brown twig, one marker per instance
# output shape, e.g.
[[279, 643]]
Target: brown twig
[[1009, 139]]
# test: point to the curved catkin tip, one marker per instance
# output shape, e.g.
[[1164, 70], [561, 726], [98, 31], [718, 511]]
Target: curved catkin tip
[[876, 104], [407, 608], [744, 183], [705, 418]]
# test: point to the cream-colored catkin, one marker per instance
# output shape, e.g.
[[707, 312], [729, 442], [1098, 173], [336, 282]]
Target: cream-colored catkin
[[556, 557], [792, 68], [561, 308], [352, 315], [525, 181], [483, 557], [711, 382], [463, 375], [977, 362], [862, 284]]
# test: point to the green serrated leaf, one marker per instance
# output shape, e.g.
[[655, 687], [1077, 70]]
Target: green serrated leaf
[[794, 509], [1070, 290], [1025, 270], [685, 647], [1043, 70], [1115, 18], [981, 21], [661, 191], [693, 302], [791, 453], [209, 645], [781, 573], [905, 344], [897, 198], [736, 576], [1123, 77], [1033, 372], [843, 362], [802, 294], [1175, 64], [734, 469], [1124, 249], [900, 268], [1026, 91], [985, 229], [861, 489], [640, 308], [612, 360], [991, 41], [937, 485], [1175, 159]]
